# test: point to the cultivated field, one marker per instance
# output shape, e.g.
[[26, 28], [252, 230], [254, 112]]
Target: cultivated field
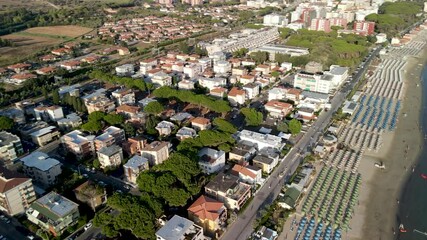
[[31, 41], [61, 31]]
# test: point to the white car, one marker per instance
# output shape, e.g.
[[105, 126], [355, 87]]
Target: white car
[[31, 237], [87, 226]]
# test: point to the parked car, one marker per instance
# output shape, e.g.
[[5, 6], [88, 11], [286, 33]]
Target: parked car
[[87, 226]]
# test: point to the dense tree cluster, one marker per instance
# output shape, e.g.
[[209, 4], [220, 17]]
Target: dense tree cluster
[[252, 116], [97, 120], [75, 102], [154, 108], [126, 81], [207, 138], [174, 181], [224, 126], [240, 53], [294, 126], [215, 105], [394, 17], [6, 123], [328, 48], [137, 214]]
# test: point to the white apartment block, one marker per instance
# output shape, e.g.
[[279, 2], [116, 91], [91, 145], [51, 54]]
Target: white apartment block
[[179, 228], [156, 152], [211, 160], [274, 20], [41, 168], [16, 193], [261, 140], [10, 148], [212, 83], [222, 67], [192, 70], [134, 167], [111, 156], [252, 90]]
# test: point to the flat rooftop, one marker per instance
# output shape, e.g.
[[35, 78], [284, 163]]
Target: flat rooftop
[[40, 161]]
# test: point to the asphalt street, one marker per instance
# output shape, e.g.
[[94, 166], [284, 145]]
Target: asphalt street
[[242, 228]]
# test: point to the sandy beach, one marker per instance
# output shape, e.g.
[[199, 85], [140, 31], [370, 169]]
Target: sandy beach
[[376, 214]]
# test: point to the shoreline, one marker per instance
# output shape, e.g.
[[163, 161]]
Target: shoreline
[[377, 214]]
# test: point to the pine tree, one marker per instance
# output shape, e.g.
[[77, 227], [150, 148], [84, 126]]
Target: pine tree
[[55, 97]]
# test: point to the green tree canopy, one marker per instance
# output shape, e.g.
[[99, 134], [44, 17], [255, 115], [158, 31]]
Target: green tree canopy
[[295, 126], [55, 97], [6, 123], [283, 127], [224, 126], [154, 108], [96, 116], [92, 126], [114, 119], [252, 116], [259, 57]]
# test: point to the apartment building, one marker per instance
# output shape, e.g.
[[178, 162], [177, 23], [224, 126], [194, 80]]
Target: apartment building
[[78, 143], [111, 156], [165, 128], [156, 152], [236, 96], [211, 160], [10, 149], [91, 193], [53, 213], [252, 90], [314, 82], [185, 132], [208, 213], [100, 103], [260, 140], [45, 135], [278, 109], [16, 192], [112, 135], [134, 145], [212, 83], [200, 123], [43, 169], [124, 96], [229, 190], [134, 167], [179, 228], [70, 121], [364, 27], [46, 113]]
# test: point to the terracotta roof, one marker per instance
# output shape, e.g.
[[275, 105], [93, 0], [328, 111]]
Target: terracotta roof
[[263, 66], [48, 69], [294, 91], [240, 169], [247, 76], [127, 108], [71, 63], [206, 208], [235, 91], [9, 179], [23, 76], [19, 65], [278, 104], [201, 120], [218, 90]]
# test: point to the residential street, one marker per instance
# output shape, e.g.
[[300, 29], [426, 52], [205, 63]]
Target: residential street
[[242, 228]]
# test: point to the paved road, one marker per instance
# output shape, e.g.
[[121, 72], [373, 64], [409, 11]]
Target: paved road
[[242, 228], [14, 230]]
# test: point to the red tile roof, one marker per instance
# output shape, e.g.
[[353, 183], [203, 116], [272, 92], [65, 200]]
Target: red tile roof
[[235, 91], [206, 208], [240, 169], [201, 120]]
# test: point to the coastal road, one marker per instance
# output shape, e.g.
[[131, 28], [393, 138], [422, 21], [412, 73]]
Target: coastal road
[[242, 228]]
